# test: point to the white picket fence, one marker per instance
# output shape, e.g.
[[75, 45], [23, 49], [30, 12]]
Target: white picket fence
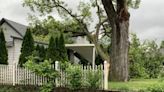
[[14, 75]]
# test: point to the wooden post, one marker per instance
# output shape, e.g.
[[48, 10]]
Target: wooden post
[[106, 72]]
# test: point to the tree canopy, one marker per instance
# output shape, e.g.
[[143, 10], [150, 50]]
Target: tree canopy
[[96, 18]]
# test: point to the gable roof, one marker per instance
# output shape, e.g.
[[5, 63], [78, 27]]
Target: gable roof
[[19, 28]]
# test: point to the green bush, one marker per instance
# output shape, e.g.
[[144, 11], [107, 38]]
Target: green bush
[[52, 52], [152, 59], [136, 62], [39, 53], [44, 69], [3, 49], [47, 87], [74, 76], [56, 49], [145, 59], [93, 79], [27, 47]]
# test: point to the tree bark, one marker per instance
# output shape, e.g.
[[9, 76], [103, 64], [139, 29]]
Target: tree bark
[[119, 20], [119, 53]]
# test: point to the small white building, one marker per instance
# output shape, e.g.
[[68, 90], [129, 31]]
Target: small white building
[[14, 33]]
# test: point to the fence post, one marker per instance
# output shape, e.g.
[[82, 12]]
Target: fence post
[[106, 72], [57, 69], [13, 66]]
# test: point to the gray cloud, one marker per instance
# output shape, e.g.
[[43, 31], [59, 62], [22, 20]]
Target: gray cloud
[[148, 21], [13, 10]]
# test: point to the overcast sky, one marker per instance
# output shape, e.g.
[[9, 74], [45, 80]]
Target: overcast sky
[[147, 21]]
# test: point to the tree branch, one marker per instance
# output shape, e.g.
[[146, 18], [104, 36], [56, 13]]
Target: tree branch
[[99, 24], [111, 13]]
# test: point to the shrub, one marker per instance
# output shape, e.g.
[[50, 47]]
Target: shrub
[[56, 50], [74, 77], [3, 49], [145, 59], [93, 79], [44, 69], [52, 53], [63, 50], [39, 53], [27, 47]]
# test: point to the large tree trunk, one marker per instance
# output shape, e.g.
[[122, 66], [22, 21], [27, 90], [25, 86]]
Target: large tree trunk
[[119, 21], [119, 53]]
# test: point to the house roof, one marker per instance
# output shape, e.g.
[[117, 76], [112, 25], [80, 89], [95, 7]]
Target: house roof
[[19, 28]]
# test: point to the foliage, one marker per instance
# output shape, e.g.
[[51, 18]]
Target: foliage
[[145, 59], [162, 44], [136, 68], [3, 49], [57, 51], [43, 69], [52, 52], [73, 20], [43, 29], [27, 47], [93, 79], [47, 87], [74, 77], [153, 59], [62, 49], [39, 53]]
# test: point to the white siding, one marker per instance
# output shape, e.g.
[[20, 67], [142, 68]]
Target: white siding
[[14, 52], [10, 55], [8, 32], [17, 49]]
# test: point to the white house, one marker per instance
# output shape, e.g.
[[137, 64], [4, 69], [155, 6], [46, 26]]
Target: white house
[[14, 33]]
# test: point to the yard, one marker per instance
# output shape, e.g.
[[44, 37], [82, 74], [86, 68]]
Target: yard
[[137, 84]]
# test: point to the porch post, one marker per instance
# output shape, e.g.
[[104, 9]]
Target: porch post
[[93, 58]]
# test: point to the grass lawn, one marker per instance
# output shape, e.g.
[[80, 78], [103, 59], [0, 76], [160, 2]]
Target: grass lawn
[[136, 84]]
